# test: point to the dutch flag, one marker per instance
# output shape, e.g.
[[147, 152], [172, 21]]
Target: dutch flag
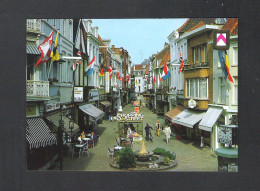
[[90, 68], [166, 73]]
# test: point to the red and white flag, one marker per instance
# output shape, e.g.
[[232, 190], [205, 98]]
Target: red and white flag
[[110, 69], [181, 68], [45, 48], [79, 53], [75, 65]]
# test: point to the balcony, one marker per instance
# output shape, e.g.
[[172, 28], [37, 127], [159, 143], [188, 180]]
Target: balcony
[[37, 90], [34, 25]]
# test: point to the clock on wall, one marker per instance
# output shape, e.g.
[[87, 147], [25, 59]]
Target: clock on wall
[[225, 135]]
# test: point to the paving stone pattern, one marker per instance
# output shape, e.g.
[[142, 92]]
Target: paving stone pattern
[[190, 156]]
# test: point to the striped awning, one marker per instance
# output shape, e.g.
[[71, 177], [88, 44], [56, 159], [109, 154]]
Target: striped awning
[[55, 118], [106, 103], [31, 48], [188, 118], [210, 118], [174, 112], [91, 110], [38, 133]]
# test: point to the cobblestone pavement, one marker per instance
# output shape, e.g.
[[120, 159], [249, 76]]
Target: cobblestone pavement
[[190, 156]]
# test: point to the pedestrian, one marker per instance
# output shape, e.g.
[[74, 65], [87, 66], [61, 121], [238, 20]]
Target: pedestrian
[[147, 130], [167, 132], [158, 128]]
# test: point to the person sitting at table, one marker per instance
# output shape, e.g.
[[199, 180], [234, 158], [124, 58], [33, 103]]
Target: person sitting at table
[[83, 136]]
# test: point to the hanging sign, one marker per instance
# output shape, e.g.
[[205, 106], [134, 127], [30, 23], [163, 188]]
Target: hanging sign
[[78, 94], [107, 82], [192, 103], [221, 39]]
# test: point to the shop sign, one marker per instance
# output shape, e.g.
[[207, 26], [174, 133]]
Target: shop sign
[[136, 103], [93, 95], [221, 40], [107, 82], [136, 109], [130, 116], [78, 94], [192, 103]]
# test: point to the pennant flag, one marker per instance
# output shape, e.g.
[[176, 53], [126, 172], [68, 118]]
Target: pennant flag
[[45, 48], [227, 67], [90, 68], [101, 73], [181, 68], [55, 53], [110, 69], [166, 73]]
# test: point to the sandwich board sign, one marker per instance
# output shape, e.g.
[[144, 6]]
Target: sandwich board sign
[[221, 39]]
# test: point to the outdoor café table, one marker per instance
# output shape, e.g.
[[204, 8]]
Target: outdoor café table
[[117, 148], [86, 139]]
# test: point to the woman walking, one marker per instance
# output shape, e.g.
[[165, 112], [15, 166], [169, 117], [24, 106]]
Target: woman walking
[[158, 128], [167, 132]]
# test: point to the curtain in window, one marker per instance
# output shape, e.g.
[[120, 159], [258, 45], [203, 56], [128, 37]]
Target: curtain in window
[[203, 88]]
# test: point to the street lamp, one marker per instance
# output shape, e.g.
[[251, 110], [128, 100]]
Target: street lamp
[[71, 126], [60, 135]]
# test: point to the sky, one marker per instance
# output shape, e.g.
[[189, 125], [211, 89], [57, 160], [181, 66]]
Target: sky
[[140, 37]]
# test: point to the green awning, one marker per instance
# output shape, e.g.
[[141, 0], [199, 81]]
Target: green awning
[[31, 48], [227, 152]]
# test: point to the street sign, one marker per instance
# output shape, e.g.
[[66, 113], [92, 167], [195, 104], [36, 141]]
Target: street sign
[[221, 40]]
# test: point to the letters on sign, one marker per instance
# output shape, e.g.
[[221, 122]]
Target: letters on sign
[[130, 116]]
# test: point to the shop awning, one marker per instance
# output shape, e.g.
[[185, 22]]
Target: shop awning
[[38, 133], [227, 152], [106, 103], [210, 118], [91, 110], [55, 118], [188, 118], [31, 48], [174, 112]]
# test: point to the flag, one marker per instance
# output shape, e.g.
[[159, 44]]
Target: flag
[[101, 73], [45, 48], [90, 68], [166, 73], [79, 53], [110, 69], [118, 76], [227, 68], [154, 78], [181, 68], [75, 65], [160, 78], [222, 62], [55, 53]]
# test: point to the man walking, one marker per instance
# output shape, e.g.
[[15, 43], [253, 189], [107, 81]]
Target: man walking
[[147, 130]]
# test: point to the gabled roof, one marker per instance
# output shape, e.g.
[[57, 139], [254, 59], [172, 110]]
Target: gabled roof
[[161, 54], [102, 42], [166, 58], [193, 23], [232, 25]]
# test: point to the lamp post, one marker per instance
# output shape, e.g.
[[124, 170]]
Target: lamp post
[[60, 136], [71, 126]]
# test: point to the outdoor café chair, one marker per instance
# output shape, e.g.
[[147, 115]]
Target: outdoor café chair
[[85, 149], [76, 150]]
